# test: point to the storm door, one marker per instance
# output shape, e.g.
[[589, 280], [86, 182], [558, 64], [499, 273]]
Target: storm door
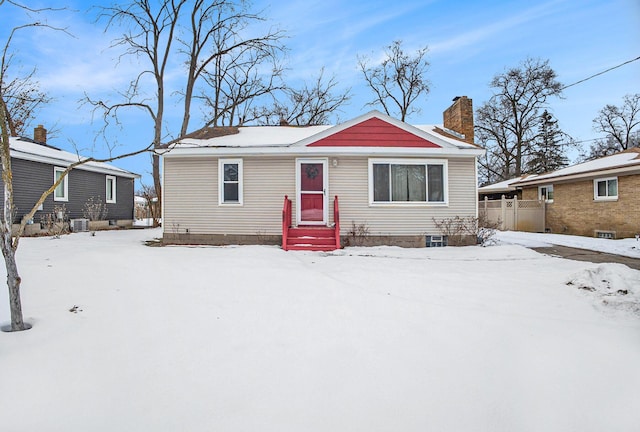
[[312, 191]]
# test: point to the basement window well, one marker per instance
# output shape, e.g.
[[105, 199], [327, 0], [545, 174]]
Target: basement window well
[[436, 240]]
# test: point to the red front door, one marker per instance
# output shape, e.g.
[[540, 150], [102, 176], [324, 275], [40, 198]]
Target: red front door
[[312, 193]]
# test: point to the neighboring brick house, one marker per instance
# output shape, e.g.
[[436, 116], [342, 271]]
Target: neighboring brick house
[[597, 198], [36, 165]]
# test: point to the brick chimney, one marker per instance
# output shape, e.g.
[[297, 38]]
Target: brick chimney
[[40, 134], [459, 117]]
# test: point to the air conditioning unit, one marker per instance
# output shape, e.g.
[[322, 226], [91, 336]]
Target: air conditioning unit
[[79, 225]]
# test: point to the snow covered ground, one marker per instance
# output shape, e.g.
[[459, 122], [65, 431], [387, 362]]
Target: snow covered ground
[[128, 337], [627, 247]]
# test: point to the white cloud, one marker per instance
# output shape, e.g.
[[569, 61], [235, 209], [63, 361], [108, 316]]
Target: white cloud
[[507, 27]]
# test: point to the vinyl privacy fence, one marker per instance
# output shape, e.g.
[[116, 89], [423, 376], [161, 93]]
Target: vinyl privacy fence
[[514, 214]]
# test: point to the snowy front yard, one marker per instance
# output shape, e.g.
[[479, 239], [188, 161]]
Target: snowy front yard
[[134, 338]]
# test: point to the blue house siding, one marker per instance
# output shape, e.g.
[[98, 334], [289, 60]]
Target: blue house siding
[[31, 179]]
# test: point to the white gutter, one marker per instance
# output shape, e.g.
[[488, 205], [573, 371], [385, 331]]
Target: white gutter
[[321, 151]]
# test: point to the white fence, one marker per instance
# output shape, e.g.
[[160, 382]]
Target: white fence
[[514, 214]]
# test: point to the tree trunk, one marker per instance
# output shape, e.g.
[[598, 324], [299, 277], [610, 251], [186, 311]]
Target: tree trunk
[[6, 224], [519, 145], [13, 282]]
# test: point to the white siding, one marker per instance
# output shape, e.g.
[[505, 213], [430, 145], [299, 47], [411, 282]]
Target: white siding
[[349, 180], [191, 197]]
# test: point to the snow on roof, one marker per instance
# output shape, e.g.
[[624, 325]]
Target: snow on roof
[[627, 159], [258, 136], [433, 130], [505, 185], [24, 148], [289, 136]]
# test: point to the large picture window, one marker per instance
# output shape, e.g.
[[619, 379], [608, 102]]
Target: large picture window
[[605, 189], [61, 193], [407, 181], [230, 181]]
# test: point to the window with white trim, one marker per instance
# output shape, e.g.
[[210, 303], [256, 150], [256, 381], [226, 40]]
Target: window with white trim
[[61, 192], [545, 193], [605, 189], [398, 181], [111, 189], [230, 181]]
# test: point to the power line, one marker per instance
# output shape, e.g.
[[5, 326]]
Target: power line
[[587, 140], [600, 73]]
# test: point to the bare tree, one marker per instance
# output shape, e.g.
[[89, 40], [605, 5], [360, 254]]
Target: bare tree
[[22, 98], [506, 124], [620, 124], [235, 82], [206, 32], [14, 110], [21, 95], [307, 106], [151, 201], [10, 237], [398, 81], [499, 159]]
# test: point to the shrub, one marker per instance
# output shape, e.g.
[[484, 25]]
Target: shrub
[[94, 209]]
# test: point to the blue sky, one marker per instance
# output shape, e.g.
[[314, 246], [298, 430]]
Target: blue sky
[[469, 42]]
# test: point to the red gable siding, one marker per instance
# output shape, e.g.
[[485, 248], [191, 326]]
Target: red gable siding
[[373, 133]]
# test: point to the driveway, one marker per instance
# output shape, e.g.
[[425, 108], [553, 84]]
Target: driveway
[[588, 255]]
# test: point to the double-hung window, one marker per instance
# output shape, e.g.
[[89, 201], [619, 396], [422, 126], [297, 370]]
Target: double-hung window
[[111, 189], [410, 181], [61, 192], [230, 181], [545, 193], [605, 189]]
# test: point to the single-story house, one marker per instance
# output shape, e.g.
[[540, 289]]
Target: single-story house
[[597, 198], [311, 187], [36, 166], [504, 188]]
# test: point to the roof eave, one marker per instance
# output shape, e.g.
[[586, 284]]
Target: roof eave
[[628, 170], [323, 151], [65, 163]]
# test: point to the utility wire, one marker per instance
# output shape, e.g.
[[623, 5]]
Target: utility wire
[[600, 73], [586, 140]]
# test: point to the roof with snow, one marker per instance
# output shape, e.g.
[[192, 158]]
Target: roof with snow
[[27, 149], [626, 162], [352, 137], [505, 185]]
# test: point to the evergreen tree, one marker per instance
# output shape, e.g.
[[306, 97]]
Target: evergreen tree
[[548, 152]]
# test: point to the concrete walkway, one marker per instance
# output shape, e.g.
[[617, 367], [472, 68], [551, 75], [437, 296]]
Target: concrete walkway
[[588, 255]]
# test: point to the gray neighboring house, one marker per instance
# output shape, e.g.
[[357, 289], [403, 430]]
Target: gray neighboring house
[[36, 165]]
